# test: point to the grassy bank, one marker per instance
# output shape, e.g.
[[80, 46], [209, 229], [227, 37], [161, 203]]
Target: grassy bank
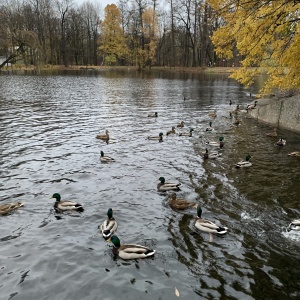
[[133, 68]]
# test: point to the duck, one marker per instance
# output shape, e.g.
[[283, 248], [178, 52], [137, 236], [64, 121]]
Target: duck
[[61, 206], [251, 106], [295, 225], [244, 163], [272, 133], [164, 186], [180, 204], [103, 136], [171, 131], [109, 226], [212, 154], [153, 115], [130, 251], [181, 124], [220, 143], [213, 114], [296, 153], [209, 128], [208, 226], [7, 208], [105, 158], [281, 142], [156, 138], [190, 133]]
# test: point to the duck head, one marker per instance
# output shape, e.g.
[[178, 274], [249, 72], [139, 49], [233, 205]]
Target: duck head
[[162, 180], [102, 153], [199, 212], [116, 242], [56, 196], [110, 213], [248, 157]]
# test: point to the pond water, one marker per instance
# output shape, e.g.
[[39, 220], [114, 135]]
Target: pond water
[[48, 125]]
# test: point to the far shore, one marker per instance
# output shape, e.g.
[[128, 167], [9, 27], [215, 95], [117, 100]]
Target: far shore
[[193, 70]]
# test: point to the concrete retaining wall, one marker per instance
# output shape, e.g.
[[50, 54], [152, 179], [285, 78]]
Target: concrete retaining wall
[[284, 113]]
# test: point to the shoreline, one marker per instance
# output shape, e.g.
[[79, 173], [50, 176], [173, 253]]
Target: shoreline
[[191, 70]]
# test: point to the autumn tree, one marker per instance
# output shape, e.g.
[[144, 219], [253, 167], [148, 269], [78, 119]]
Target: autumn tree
[[113, 43], [266, 34]]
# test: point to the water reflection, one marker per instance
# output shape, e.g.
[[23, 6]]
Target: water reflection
[[48, 128]]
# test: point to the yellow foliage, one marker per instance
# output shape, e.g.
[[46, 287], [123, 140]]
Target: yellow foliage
[[113, 42], [266, 34]]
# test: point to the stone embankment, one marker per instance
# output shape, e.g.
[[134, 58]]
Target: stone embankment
[[280, 113]]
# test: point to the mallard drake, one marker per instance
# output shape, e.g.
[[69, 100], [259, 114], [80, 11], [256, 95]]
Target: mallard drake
[[164, 186], [181, 124], [208, 226], [153, 115], [273, 133], [171, 131], [180, 204], [61, 206], [109, 226], [213, 114], [252, 105], [296, 153], [220, 143], [210, 127], [212, 154], [244, 163], [103, 136], [190, 133], [7, 208], [295, 225], [105, 158], [281, 142], [156, 138], [130, 251]]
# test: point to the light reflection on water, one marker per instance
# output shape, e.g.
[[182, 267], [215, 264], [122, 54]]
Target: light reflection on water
[[48, 126]]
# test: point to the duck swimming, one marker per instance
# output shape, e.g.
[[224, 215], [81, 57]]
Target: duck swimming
[[180, 204], [171, 131], [109, 226], [103, 136], [273, 133], [210, 127], [130, 251], [281, 142], [212, 154], [105, 158], [156, 138], [7, 208], [296, 153], [213, 114], [61, 206], [190, 133], [164, 186], [216, 144], [208, 226], [181, 124], [153, 115], [295, 225], [244, 163]]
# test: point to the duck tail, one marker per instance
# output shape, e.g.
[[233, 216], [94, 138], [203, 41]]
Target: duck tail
[[149, 253]]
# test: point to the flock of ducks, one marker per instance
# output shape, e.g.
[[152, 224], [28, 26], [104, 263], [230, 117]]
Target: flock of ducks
[[109, 226]]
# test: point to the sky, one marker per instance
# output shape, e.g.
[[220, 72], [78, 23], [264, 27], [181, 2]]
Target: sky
[[103, 3]]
